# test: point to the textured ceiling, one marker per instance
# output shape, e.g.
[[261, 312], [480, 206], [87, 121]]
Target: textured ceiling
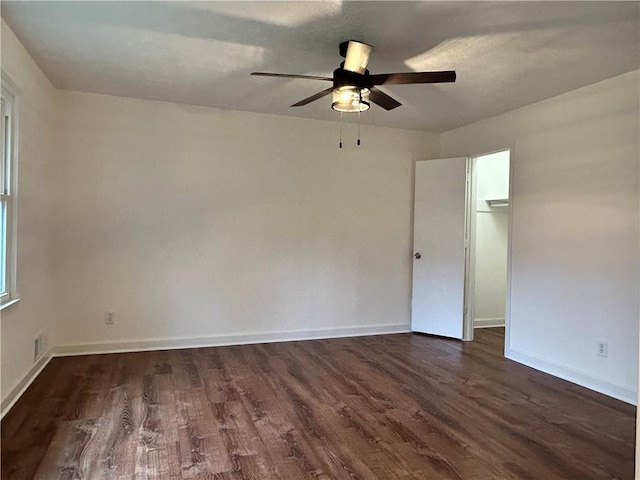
[[506, 54]]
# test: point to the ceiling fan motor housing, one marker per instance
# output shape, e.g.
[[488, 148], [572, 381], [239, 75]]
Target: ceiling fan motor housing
[[345, 78]]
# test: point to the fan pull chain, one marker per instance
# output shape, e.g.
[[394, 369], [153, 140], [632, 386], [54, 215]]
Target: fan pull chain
[[358, 128], [340, 129]]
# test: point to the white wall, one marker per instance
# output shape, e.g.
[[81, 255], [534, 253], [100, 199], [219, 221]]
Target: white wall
[[21, 322], [574, 276], [490, 239], [228, 226]]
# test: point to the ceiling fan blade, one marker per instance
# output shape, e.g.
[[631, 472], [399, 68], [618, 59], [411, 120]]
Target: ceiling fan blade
[[286, 75], [313, 98], [412, 77], [380, 98], [357, 57]]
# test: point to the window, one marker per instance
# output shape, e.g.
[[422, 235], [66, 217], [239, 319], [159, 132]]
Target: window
[[7, 198]]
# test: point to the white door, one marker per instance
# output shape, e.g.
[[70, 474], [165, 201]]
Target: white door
[[439, 247]]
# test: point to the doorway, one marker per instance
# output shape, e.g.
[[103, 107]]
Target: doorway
[[461, 224], [487, 259]]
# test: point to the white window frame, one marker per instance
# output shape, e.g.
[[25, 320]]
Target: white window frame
[[9, 190]]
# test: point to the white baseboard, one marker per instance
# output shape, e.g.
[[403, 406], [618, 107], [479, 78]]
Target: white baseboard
[[224, 340], [488, 322], [625, 394], [21, 387]]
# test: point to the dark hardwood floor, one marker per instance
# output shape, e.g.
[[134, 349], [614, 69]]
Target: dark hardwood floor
[[385, 407]]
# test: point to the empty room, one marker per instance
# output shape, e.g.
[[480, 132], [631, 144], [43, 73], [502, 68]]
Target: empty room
[[319, 240]]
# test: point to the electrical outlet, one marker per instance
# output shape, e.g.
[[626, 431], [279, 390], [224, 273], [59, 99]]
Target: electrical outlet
[[602, 349], [108, 318]]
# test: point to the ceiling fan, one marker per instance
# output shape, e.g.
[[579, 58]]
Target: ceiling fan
[[354, 87]]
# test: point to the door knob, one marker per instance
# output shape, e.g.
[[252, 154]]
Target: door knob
[[417, 255]]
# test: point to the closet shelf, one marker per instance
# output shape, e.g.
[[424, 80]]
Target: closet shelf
[[498, 202]]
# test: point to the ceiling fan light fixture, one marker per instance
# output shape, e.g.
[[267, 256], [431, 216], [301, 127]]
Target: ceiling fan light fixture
[[350, 99]]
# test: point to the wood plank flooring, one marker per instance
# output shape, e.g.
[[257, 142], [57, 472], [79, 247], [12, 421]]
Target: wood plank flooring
[[406, 406]]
